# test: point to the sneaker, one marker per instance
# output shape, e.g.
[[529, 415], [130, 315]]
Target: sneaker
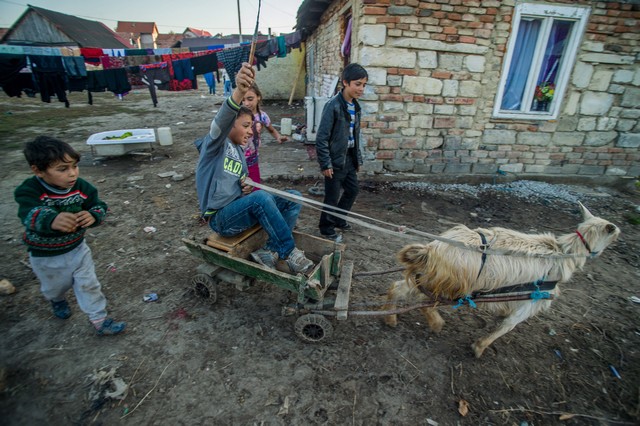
[[61, 309], [345, 227], [333, 237], [297, 261], [109, 327], [265, 257]]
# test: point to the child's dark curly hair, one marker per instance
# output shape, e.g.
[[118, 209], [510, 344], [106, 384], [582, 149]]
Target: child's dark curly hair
[[44, 151]]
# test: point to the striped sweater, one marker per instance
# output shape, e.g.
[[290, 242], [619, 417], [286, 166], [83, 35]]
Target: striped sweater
[[39, 204]]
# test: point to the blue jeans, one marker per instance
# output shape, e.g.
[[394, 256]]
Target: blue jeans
[[276, 215]]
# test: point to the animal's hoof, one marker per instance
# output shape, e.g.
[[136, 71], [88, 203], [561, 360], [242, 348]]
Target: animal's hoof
[[436, 327], [477, 349], [391, 320]]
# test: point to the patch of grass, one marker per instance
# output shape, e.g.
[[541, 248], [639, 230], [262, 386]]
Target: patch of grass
[[633, 219], [16, 120]]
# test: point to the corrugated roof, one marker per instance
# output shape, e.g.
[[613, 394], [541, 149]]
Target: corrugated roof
[[83, 32], [309, 13]]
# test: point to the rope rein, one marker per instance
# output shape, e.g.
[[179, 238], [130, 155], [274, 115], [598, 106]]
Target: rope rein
[[404, 231]]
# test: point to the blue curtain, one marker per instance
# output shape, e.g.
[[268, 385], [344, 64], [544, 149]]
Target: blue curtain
[[556, 47], [520, 64]]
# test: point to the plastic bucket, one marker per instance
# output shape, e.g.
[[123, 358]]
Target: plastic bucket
[[285, 126], [164, 136]]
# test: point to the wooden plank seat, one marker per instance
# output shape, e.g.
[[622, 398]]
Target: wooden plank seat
[[229, 244]]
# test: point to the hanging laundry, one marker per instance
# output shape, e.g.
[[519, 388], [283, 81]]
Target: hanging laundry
[[182, 69], [15, 76], [49, 75], [117, 81], [76, 73], [233, 59], [155, 76], [204, 63]]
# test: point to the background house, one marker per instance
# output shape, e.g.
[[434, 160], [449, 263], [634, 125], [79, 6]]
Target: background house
[[42, 27], [190, 32], [459, 88], [168, 40], [142, 35]]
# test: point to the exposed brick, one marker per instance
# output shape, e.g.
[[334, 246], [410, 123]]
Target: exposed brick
[[450, 30], [452, 38], [388, 144], [430, 6], [421, 155], [444, 75], [464, 101], [467, 39], [391, 97], [406, 71], [388, 19], [444, 122], [370, 10], [409, 144], [454, 16], [435, 101], [385, 155]]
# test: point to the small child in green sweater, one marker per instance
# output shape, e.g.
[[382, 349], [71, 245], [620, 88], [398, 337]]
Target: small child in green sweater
[[56, 207]]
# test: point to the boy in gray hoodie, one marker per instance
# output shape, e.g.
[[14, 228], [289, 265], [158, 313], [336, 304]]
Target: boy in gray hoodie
[[227, 201]]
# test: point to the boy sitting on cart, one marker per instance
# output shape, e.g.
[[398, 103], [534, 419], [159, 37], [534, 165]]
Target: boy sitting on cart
[[227, 200]]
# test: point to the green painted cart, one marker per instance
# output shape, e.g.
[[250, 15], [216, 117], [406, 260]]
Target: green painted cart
[[325, 288]]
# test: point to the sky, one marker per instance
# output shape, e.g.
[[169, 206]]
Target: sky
[[215, 16]]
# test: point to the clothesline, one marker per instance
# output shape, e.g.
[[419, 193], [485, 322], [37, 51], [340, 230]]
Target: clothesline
[[97, 70]]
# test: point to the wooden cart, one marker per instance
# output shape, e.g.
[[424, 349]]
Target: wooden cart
[[325, 288]]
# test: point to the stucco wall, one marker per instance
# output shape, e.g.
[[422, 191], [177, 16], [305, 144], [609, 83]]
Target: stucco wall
[[277, 79], [434, 71]]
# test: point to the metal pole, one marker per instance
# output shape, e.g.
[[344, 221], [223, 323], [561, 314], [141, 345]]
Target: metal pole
[[239, 24]]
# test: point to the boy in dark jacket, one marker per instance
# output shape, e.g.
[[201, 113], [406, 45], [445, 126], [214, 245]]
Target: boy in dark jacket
[[338, 150], [56, 207]]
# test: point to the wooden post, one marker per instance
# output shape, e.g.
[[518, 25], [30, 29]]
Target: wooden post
[[295, 82]]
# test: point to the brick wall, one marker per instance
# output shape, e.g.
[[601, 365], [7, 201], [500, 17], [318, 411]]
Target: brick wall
[[434, 71]]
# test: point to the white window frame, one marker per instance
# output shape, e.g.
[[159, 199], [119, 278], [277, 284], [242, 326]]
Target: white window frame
[[545, 11]]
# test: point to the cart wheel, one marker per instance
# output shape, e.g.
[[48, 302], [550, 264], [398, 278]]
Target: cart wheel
[[204, 286], [313, 328]]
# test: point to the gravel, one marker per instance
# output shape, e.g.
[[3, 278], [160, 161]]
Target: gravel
[[525, 189]]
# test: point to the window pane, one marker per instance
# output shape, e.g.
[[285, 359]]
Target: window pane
[[521, 59], [556, 48]]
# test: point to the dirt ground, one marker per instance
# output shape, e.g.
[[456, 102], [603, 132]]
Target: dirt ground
[[239, 362]]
